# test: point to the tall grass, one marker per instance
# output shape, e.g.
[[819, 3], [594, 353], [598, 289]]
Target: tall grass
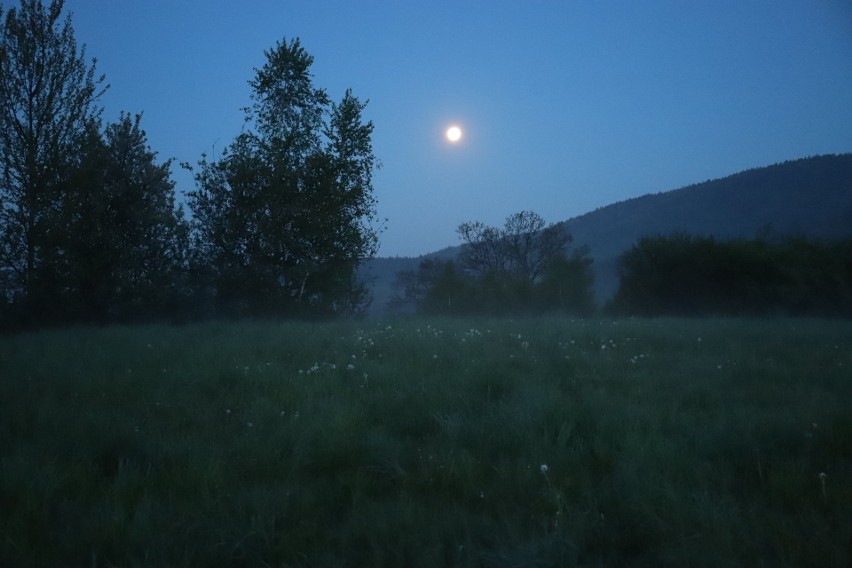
[[429, 442]]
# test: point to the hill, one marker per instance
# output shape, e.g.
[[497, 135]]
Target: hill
[[810, 197]]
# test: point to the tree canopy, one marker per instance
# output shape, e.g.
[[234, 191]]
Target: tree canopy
[[520, 267], [283, 218], [89, 227], [48, 96]]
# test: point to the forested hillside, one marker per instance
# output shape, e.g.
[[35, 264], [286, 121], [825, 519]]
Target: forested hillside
[[809, 197]]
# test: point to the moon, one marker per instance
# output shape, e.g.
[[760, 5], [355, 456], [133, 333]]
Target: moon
[[454, 134]]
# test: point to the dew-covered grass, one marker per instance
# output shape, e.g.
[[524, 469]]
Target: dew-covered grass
[[429, 442]]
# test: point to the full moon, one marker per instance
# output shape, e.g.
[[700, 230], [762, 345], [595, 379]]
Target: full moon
[[454, 134]]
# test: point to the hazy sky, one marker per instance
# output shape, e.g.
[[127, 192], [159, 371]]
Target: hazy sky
[[566, 106]]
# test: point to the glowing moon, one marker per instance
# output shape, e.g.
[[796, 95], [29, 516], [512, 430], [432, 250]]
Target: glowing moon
[[454, 134]]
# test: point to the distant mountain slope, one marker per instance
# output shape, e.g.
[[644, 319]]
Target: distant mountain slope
[[809, 197]]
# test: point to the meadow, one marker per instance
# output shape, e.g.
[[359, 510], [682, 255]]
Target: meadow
[[429, 442]]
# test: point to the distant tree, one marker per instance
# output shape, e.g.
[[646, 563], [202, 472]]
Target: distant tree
[[124, 240], [509, 264], [530, 245], [567, 284], [688, 275], [521, 248], [451, 293], [412, 286], [484, 250], [47, 105], [283, 219]]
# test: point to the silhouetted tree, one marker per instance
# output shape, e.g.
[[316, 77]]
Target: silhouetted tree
[[483, 251], [47, 102], [507, 266], [521, 248], [412, 286], [124, 241], [688, 275], [530, 244], [451, 293], [285, 216], [567, 284]]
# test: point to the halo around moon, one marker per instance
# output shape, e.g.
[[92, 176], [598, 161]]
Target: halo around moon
[[454, 134]]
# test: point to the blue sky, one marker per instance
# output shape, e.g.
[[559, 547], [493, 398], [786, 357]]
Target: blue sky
[[566, 106]]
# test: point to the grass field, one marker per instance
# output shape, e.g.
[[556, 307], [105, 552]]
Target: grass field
[[429, 442]]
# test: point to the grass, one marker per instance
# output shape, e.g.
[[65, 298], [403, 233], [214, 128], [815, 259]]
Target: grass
[[424, 442]]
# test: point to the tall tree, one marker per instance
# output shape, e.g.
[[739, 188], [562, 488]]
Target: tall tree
[[285, 216], [124, 239], [47, 102]]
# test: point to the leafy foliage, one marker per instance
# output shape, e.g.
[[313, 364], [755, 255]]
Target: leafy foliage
[[47, 106], [520, 249], [123, 238], [89, 229], [285, 216], [691, 275], [809, 197], [520, 267]]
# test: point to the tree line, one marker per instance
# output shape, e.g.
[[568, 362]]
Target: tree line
[[699, 276], [91, 229], [522, 267], [525, 268]]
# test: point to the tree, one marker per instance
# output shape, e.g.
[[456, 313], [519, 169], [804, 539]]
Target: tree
[[123, 238], [695, 275], [285, 216], [530, 245], [522, 266], [483, 251], [567, 284], [521, 249], [451, 292], [412, 286], [47, 105]]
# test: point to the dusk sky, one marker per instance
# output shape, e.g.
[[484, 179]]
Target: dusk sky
[[565, 106]]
